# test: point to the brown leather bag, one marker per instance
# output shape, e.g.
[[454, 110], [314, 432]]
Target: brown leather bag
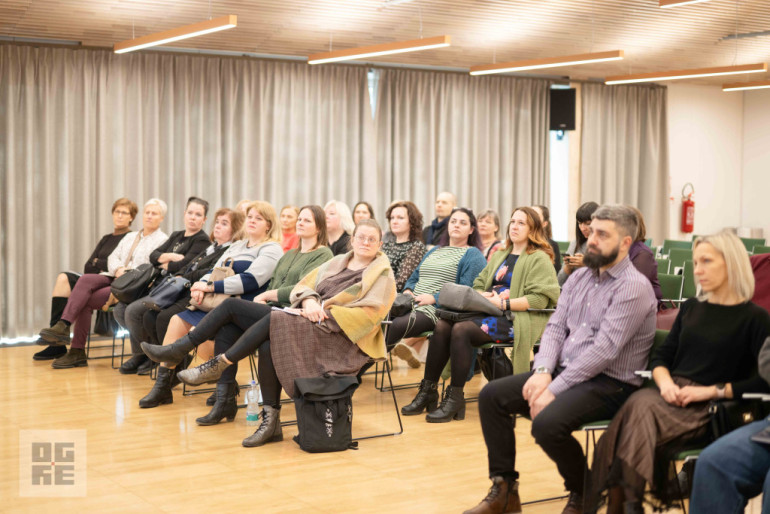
[[666, 316], [212, 300]]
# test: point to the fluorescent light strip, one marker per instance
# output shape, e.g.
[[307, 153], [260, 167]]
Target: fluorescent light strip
[[376, 50], [746, 86], [667, 4], [550, 62], [686, 74], [188, 31]]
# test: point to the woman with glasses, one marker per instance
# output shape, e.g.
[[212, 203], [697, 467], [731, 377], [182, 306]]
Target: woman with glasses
[[333, 328], [123, 214], [573, 259]]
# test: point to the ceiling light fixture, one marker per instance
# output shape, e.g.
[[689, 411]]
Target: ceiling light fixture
[[686, 74], [667, 4], [745, 86], [167, 36], [377, 50], [549, 62]]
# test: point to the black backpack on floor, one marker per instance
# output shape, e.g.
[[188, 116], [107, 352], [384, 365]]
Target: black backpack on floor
[[324, 408]]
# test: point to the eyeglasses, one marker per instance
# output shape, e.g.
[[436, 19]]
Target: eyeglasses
[[122, 213], [366, 240]]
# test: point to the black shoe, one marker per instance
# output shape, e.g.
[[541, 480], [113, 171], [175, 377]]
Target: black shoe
[[160, 394], [183, 366], [452, 407], [132, 365], [145, 368], [171, 354], [211, 400], [52, 352], [427, 398], [224, 407]]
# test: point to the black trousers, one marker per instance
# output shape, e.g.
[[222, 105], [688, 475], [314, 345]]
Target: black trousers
[[500, 400], [402, 327]]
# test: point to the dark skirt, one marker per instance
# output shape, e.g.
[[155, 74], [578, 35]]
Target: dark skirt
[[629, 453], [303, 349], [192, 317]]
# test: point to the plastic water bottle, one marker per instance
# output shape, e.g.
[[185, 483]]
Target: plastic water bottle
[[252, 404]]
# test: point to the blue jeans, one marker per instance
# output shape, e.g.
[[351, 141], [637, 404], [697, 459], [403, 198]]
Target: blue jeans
[[730, 471]]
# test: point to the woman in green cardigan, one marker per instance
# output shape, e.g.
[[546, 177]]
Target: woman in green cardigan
[[518, 277]]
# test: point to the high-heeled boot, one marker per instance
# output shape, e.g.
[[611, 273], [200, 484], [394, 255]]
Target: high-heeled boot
[[269, 430], [452, 407], [171, 354], [427, 398], [225, 405], [160, 393]]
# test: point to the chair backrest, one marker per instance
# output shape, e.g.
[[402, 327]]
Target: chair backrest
[[750, 243], [563, 246], [670, 286], [760, 249], [668, 244], [648, 242], [688, 281], [677, 256], [663, 265]]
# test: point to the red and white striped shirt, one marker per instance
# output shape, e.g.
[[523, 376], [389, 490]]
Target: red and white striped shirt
[[602, 324]]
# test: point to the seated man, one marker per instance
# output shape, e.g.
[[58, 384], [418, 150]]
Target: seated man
[[445, 203], [601, 332]]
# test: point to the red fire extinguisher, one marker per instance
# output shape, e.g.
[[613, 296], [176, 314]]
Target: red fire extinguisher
[[688, 209]]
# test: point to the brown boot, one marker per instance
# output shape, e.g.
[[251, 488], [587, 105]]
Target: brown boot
[[74, 358], [503, 497]]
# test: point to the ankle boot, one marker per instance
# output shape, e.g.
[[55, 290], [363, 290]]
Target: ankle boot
[[452, 407], [171, 354], [269, 430], [207, 373], [183, 366], [57, 334], [503, 497], [427, 398], [161, 392], [224, 407]]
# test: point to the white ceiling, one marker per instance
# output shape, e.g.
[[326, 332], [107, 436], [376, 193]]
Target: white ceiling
[[482, 31]]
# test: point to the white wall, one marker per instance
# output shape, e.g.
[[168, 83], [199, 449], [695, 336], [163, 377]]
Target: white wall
[[755, 204], [705, 128]]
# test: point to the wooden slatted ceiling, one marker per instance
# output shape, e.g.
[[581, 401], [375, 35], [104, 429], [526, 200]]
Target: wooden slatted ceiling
[[481, 30]]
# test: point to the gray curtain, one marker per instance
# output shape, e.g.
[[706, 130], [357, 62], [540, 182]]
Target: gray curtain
[[485, 139], [80, 128], [624, 157]]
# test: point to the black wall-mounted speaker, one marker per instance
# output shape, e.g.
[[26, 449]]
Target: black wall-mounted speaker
[[562, 109]]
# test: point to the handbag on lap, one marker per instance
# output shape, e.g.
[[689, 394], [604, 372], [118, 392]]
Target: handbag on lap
[[165, 293], [134, 283], [213, 300], [460, 298]]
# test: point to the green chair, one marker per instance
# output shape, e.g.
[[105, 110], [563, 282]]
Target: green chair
[[670, 286], [750, 243], [760, 249], [677, 256], [563, 246], [668, 244], [688, 281], [663, 265], [648, 242]]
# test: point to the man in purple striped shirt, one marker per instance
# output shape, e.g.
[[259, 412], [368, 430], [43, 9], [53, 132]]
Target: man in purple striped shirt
[[601, 332]]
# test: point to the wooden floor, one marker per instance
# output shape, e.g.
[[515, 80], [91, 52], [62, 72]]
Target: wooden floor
[[160, 460]]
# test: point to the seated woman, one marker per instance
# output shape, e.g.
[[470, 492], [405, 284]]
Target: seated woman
[[288, 218], [92, 291], [362, 211], [170, 257], [456, 259], [123, 214], [489, 230], [228, 321], [641, 255], [710, 353], [407, 249], [339, 226], [573, 259], [341, 305], [140, 318], [519, 277], [545, 218]]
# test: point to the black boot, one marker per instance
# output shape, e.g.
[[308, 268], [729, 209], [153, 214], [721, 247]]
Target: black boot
[[181, 367], [58, 303], [452, 407], [171, 354], [50, 352], [427, 398], [160, 393], [224, 407]]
